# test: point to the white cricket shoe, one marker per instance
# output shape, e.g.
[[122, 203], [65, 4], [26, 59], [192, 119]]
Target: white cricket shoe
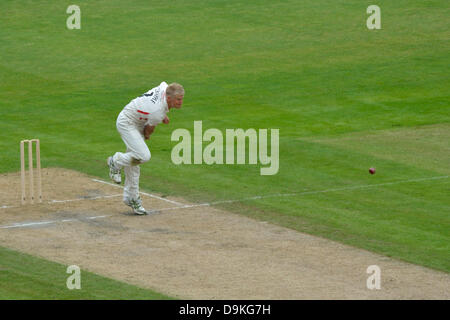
[[114, 173], [136, 205]]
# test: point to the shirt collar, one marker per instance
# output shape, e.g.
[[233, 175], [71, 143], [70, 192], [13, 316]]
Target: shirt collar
[[165, 105]]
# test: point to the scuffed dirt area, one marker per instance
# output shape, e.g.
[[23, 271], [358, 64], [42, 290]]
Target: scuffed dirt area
[[197, 252]]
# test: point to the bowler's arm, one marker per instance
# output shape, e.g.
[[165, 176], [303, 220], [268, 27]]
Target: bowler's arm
[[148, 130]]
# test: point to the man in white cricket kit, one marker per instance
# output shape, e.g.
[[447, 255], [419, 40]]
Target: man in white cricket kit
[[136, 123]]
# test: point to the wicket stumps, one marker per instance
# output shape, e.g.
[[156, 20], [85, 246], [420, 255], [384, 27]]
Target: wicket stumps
[[30, 169]]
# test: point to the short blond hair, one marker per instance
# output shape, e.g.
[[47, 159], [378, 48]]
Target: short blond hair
[[175, 89]]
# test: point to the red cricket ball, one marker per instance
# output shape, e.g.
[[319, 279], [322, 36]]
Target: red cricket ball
[[372, 170]]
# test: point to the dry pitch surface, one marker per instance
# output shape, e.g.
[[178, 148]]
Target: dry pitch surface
[[195, 252]]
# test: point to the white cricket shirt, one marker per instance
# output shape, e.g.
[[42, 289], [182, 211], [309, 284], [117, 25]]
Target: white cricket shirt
[[150, 108]]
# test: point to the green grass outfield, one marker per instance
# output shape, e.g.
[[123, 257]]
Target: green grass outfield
[[344, 98], [26, 277]]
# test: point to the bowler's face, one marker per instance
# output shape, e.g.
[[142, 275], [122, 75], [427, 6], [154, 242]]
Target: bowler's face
[[175, 102]]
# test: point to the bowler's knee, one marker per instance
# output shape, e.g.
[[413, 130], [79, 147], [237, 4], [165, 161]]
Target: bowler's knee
[[142, 157]]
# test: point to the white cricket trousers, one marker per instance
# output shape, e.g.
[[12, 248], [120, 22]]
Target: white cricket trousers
[[136, 153]]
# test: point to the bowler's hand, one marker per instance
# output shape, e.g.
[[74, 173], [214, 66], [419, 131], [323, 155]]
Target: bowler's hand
[[148, 130], [166, 120]]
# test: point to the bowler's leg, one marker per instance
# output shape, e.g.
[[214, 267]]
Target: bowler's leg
[[131, 190], [137, 150], [131, 187], [136, 153]]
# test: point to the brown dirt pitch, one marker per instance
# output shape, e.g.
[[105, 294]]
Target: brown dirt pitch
[[197, 251]]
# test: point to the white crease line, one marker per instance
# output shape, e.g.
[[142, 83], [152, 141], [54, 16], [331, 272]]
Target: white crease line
[[19, 225], [31, 224], [97, 217], [144, 193], [87, 198], [69, 200]]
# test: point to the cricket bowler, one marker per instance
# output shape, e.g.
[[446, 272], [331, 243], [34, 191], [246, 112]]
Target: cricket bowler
[[135, 123]]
